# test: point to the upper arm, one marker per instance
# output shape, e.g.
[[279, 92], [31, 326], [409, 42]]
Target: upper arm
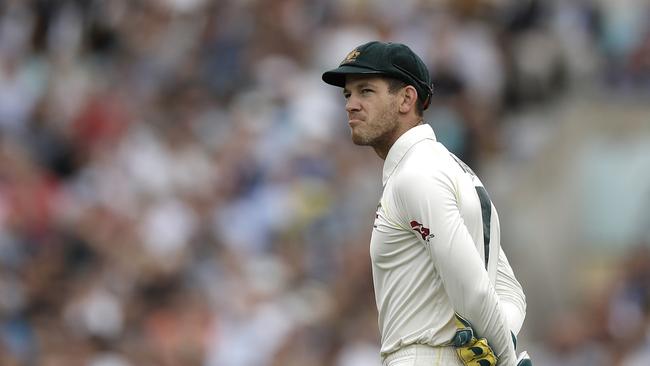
[[430, 200]]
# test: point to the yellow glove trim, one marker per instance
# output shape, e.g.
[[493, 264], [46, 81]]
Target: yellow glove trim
[[472, 351]]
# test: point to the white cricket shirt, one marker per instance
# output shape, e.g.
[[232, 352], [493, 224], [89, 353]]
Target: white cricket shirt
[[435, 234]]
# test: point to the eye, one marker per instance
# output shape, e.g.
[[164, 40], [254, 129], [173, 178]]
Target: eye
[[366, 91], [346, 95]]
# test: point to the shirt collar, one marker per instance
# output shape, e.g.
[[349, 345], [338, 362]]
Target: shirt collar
[[403, 144]]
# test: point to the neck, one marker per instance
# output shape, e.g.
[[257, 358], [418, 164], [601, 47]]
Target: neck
[[381, 151], [383, 147]]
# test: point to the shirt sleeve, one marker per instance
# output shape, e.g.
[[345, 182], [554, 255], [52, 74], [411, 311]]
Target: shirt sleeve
[[511, 295], [430, 206]]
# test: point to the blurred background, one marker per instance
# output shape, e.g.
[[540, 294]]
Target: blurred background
[[178, 187]]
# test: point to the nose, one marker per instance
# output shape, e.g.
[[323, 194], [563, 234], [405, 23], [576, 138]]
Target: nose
[[352, 105]]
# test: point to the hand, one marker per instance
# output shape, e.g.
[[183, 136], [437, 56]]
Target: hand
[[472, 351]]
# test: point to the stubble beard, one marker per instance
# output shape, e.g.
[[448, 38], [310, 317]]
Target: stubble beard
[[378, 132]]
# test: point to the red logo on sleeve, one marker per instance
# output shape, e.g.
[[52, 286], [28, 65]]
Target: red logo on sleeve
[[423, 231]]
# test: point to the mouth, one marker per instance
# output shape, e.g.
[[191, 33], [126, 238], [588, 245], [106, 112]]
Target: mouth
[[354, 121]]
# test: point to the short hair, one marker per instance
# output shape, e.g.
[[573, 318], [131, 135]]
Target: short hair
[[396, 84]]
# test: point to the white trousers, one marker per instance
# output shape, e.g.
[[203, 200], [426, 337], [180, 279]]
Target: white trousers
[[421, 355]]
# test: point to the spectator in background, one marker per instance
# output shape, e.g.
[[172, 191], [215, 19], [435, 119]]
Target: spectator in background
[[158, 204]]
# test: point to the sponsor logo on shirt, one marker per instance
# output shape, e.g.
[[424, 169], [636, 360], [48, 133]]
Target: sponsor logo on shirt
[[423, 231]]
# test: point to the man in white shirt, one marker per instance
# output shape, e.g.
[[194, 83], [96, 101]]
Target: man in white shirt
[[440, 275]]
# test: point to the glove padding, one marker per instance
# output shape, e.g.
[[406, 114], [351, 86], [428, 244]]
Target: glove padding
[[472, 351]]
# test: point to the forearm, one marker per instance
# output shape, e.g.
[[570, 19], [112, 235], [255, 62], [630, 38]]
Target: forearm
[[511, 295], [474, 298], [514, 317]]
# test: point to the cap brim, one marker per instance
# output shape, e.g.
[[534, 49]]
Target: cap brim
[[336, 76]]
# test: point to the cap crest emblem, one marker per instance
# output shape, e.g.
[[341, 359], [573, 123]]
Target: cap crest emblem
[[351, 57]]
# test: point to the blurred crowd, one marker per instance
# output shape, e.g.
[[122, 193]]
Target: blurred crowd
[[178, 187], [608, 326]]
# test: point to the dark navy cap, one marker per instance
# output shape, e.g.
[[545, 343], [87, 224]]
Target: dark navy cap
[[389, 59]]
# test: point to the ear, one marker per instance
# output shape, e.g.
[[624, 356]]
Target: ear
[[409, 99]]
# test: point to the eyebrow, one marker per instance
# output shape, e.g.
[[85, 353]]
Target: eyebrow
[[361, 85]]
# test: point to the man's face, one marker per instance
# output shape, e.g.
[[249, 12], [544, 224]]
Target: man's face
[[372, 110]]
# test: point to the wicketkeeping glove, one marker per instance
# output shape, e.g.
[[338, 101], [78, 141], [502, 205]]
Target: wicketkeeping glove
[[472, 351]]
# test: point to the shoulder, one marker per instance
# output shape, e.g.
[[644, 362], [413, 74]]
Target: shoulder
[[426, 167], [426, 159]]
